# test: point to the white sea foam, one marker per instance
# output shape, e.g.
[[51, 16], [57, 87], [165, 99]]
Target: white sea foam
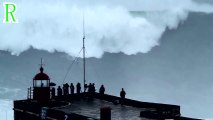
[[110, 27]]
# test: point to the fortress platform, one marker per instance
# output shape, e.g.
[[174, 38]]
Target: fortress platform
[[96, 107]]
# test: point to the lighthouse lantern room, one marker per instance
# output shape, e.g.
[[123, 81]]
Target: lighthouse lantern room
[[41, 86]]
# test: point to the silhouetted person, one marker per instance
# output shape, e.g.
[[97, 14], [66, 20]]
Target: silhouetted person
[[78, 88], [72, 88], [122, 94], [42, 84], [90, 88], [66, 86], [102, 90], [85, 87], [93, 88], [53, 92], [64, 89], [59, 91]]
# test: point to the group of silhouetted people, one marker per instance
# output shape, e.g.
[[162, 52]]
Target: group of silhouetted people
[[66, 90], [91, 88], [88, 88]]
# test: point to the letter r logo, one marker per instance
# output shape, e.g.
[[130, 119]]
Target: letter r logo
[[10, 9]]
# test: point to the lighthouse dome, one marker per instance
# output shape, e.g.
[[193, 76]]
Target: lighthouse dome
[[41, 75]]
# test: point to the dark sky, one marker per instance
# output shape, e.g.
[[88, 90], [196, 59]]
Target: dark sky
[[204, 1]]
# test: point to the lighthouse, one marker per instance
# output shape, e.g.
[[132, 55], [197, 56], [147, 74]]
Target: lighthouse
[[41, 86]]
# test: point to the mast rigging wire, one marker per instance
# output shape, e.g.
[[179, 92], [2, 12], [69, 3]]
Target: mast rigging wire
[[69, 68]]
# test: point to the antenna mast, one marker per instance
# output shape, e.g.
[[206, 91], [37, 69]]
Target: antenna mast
[[41, 62], [84, 60]]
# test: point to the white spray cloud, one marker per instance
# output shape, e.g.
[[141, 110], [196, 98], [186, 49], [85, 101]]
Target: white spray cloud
[[110, 27], [6, 113]]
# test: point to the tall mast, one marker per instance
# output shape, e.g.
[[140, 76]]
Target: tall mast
[[41, 62], [84, 60]]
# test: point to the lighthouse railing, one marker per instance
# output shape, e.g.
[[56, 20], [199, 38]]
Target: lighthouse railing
[[29, 93]]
